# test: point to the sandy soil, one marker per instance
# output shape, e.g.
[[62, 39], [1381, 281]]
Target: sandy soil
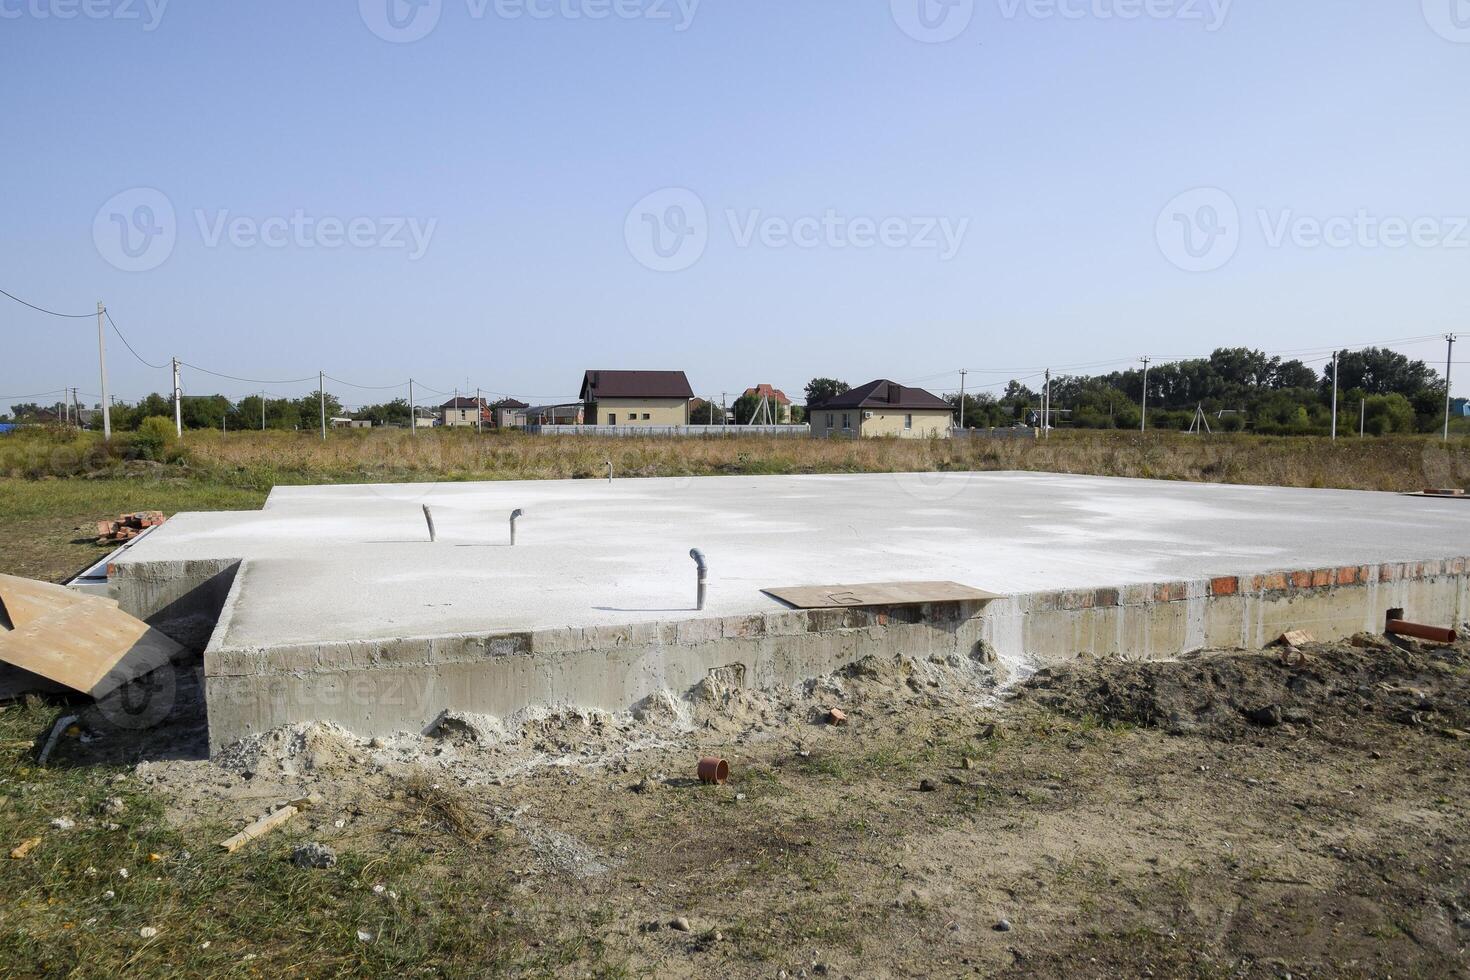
[[1254, 814]]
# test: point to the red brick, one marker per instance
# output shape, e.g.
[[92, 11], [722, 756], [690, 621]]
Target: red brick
[[1170, 592], [1301, 580], [1322, 577], [1347, 575], [1274, 582], [1106, 597], [1226, 585]]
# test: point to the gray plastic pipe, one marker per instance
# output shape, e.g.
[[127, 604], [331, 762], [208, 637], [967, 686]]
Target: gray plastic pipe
[[429, 517], [514, 516], [703, 567], [609, 471]]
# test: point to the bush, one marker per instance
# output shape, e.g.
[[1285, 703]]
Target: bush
[[154, 437]]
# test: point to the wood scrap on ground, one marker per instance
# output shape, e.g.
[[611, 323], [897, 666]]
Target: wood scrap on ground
[[259, 828]]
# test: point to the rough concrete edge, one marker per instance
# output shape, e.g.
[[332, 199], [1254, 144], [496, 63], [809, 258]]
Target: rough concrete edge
[[1268, 584], [222, 661]]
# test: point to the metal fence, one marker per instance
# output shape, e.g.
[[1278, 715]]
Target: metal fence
[[678, 431], [1014, 432]]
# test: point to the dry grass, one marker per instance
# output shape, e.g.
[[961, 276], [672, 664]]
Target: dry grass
[[1391, 463]]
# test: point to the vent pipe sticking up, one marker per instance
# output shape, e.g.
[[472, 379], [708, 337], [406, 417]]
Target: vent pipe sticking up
[[429, 518], [699, 563], [609, 471], [514, 516]]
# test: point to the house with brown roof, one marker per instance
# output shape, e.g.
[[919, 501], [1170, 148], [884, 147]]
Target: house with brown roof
[[464, 411], [777, 406], [883, 408], [509, 413], [636, 397]]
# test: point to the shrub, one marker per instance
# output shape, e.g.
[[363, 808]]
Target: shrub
[[154, 437]]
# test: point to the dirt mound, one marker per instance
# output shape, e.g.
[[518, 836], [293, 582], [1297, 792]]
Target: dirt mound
[[1232, 694]]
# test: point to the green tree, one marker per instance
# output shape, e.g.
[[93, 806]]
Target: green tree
[[819, 391]]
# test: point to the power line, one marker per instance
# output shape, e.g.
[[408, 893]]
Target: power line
[[252, 381], [140, 357], [42, 309]]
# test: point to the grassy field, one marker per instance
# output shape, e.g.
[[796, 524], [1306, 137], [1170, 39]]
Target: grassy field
[[53, 487]]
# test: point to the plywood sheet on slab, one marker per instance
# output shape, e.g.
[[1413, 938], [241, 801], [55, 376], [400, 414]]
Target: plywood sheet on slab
[[877, 594], [82, 642]]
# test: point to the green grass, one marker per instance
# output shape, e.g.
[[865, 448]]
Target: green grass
[[48, 527], [252, 910]]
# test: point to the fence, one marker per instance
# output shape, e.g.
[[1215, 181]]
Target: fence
[[680, 431], [1013, 432]]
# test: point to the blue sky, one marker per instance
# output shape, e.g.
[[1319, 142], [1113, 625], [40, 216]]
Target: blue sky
[[818, 151]]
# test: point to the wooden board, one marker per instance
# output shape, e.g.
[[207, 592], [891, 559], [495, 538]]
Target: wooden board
[[876, 594], [25, 601], [82, 642]]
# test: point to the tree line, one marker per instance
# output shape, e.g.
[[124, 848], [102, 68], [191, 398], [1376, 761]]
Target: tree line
[[1237, 389]]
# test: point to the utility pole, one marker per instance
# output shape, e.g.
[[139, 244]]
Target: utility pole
[[479, 415], [1046, 407], [1362, 416], [1143, 422], [321, 391], [1334, 395], [178, 401], [1449, 360], [262, 411], [413, 415], [102, 365], [963, 372], [724, 415]]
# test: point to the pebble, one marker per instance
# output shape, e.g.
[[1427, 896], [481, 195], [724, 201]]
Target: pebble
[[147, 932], [63, 823], [927, 786], [1004, 925], [680, 924]]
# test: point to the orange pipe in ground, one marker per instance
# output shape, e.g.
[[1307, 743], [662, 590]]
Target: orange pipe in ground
[[713, 770]]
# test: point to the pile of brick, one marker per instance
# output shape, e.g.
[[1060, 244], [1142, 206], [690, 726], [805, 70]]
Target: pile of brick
[[128, 526]]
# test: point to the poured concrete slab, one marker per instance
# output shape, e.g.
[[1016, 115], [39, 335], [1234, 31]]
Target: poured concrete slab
[[354, 562], [339, 607]]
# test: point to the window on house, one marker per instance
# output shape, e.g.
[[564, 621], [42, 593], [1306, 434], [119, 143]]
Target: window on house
[[908, 421], [612, 419], [645, 416], [829, 420], [845, 423]]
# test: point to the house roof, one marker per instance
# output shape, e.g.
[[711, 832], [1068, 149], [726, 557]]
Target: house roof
[[463, 403], [635, 384], [767, 391], [509, 403], [886, 394]]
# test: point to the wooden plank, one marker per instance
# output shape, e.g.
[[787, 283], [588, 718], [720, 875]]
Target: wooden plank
[[876, 594], [259, 828]]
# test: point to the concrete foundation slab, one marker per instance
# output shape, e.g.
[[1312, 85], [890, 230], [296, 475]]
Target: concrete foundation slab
[[595, 604]]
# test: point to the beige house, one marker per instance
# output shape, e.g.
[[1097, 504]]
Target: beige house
[[636, 397], [464, 411], [882, 408]]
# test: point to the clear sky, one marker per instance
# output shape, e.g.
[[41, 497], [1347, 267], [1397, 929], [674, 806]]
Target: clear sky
[[753, 191]]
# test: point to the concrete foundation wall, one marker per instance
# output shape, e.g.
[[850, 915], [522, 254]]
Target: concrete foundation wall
[[375, 688], [378, 687], [183, 599]]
